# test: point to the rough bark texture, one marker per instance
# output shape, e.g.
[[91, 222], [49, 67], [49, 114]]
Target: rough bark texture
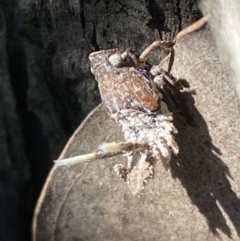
[[46, 88]]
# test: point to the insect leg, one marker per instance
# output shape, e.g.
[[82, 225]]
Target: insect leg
[[193, 27], [106, 150], [157, 44]]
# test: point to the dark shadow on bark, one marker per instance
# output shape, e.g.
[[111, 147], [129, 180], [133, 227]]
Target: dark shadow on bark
[[204, 175], [158, 17], [35, 142]]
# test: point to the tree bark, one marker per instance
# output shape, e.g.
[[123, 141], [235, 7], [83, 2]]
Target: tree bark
[[46, 86]]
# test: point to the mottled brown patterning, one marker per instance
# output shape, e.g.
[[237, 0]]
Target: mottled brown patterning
[[123, 87]]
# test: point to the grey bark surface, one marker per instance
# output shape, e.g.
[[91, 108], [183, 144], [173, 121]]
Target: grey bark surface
[[46, 88]]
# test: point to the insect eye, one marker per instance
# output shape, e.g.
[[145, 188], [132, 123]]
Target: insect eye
[[115, 59]]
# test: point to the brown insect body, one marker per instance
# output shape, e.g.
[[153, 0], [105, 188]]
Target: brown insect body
[[134, 101], [123, 87]]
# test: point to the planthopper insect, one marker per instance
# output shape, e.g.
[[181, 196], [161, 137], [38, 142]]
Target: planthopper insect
[[133, 97]]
